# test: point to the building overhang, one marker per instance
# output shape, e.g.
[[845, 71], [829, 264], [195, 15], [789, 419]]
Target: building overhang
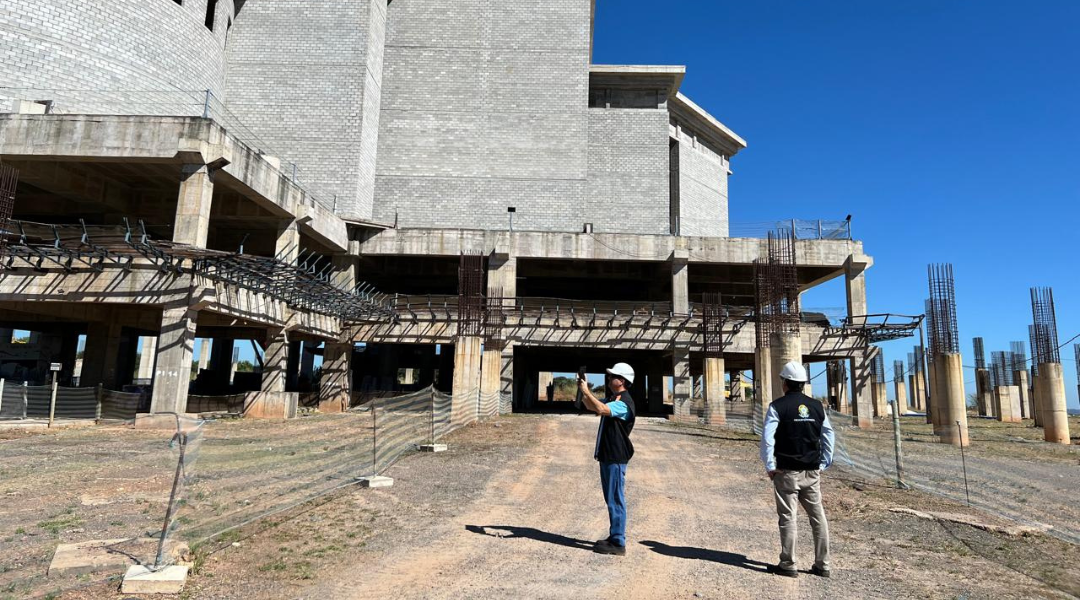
[[691, 116], [667, 78]]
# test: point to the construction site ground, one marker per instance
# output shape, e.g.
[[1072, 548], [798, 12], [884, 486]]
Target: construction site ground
[[511, 510]]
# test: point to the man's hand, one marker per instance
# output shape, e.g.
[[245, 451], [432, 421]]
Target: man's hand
[[583, 385], [771, 474]]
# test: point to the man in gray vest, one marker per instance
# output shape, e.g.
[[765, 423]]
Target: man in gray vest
[[796, 446]]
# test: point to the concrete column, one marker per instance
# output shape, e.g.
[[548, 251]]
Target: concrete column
[[1055, 418], [655, 380], [1020, 376], [862, 386], [932, 397], [763, 388], [147, 354], [275, 361], [1007, 404], [879, 394], [1037, 400], [192, 223], [204, 354], [287, 244], [502, 276], [983, 394], [920, 384], [467, 359], [953, 405], [680, 282], [507, 378], [491, 371], [680, 362], [336, 382], [843, 406], [901, 395], [172, 373], [101, 354], [546, 381], [715, 404], [783, 348]]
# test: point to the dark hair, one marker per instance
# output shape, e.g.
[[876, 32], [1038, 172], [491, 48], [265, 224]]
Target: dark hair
[[795, 386]]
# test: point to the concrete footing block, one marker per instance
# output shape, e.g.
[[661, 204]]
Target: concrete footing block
[[141, 580], [376, 481], [433, 448]]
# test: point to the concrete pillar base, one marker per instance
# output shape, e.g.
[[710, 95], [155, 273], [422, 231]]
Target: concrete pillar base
[[681, 386], [376, 481], [953, 405], [715, 410], [1055, 417], [1007, 404]]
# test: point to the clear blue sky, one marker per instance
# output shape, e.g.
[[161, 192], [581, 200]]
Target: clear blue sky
[[950, 130]]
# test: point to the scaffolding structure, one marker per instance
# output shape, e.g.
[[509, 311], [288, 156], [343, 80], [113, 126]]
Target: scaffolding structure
[[306, 282]]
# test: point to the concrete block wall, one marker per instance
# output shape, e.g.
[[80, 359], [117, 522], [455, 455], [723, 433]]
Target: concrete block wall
[[308, 80], [113, 57], [484, 107], [628, 171], [703, 187]]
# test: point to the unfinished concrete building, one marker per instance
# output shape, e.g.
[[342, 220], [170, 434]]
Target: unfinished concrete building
[[418, 192]]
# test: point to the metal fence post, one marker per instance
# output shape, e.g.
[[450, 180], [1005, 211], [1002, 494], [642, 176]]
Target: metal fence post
[[374, 436], [25, 398], [963, 461], [432, 393], [99, 394], [896, 443], [52, 400], [819, 229], [182, 440]]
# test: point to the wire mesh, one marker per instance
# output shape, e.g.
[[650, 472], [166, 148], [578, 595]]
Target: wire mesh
[[1006, 477], [1045, 348]]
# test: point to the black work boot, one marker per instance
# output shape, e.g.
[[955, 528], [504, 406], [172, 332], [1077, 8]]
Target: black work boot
[[607, 547], [815, 570], [776, 570]]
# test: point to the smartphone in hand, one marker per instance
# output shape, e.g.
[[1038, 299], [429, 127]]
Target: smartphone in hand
[[578, 400]]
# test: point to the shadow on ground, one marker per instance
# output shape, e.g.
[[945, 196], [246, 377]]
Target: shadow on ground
[[717, 556], [507, 531]]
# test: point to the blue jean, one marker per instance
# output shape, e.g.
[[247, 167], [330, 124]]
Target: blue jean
[[613, 480]]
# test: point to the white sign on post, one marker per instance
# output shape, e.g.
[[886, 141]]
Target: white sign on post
[[55, 366]]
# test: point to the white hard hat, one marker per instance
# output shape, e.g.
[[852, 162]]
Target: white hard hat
[[622, 370], [793, 371]]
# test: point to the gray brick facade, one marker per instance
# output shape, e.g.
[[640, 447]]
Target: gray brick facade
[[114, 57], [309, 83], [423, 113], [703, 190]]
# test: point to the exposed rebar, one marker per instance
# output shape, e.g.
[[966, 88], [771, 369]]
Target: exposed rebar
[[1045, 326], [944, 334], [980, 354]]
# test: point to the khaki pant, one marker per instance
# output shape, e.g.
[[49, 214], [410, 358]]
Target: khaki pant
[[801, 487]]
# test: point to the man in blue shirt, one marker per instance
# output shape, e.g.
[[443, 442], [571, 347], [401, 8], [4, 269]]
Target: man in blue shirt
[[796, 446], [613, 450]]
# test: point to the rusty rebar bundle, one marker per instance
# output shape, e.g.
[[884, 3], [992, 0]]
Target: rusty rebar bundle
[[944, 334], [776, 288], [1034, 351], [1045, 322], [1019, 356], [494, 317], [9, 180], [877, 367], [898, 371], [980, 354], [1001, 368], [712, 324], [470, 295]]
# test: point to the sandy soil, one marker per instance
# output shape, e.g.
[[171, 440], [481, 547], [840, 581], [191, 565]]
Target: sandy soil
[[511, 509]]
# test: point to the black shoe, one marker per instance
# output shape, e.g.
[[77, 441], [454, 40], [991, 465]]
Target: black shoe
[[606, 547], [814, 570], [776, 570]]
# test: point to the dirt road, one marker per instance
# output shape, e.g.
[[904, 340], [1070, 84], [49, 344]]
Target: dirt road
[[700, 525]]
